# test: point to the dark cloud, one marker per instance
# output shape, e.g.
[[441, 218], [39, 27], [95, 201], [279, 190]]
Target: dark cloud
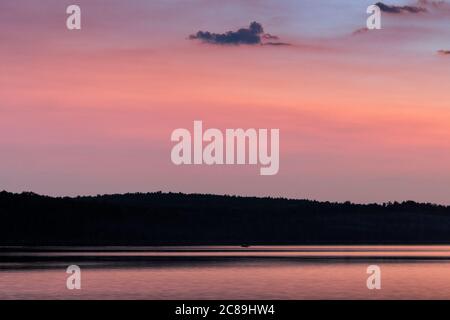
[[444, 52], [252, 35], [400, 9]]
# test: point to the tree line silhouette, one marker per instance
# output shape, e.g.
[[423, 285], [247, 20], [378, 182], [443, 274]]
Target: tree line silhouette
[[159, 218]]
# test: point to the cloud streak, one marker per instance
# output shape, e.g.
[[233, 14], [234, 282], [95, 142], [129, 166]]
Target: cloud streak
[[276, 44], [400, 9]]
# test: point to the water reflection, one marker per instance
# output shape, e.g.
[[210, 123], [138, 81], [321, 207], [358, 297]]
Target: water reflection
[[230, 273]]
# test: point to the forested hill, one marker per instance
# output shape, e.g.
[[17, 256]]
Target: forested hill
[[181, 219]]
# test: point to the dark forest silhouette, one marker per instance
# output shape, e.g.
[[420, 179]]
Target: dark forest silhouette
[[179, 219]]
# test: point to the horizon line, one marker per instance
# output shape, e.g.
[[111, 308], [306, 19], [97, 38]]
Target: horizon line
[[387, 203]]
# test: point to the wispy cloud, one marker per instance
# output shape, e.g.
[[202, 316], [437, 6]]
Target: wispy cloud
[[277, 44], [444, 52], [400, 9], [360, 31], [436, 4]]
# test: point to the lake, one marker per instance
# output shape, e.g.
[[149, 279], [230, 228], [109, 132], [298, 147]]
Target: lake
[[261, 272]]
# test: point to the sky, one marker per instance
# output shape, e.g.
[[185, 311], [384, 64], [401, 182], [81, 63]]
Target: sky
[[364, 116]]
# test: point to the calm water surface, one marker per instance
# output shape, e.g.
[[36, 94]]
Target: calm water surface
[[300, 272]]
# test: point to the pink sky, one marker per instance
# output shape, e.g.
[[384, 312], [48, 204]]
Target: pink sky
[[362, 117]]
